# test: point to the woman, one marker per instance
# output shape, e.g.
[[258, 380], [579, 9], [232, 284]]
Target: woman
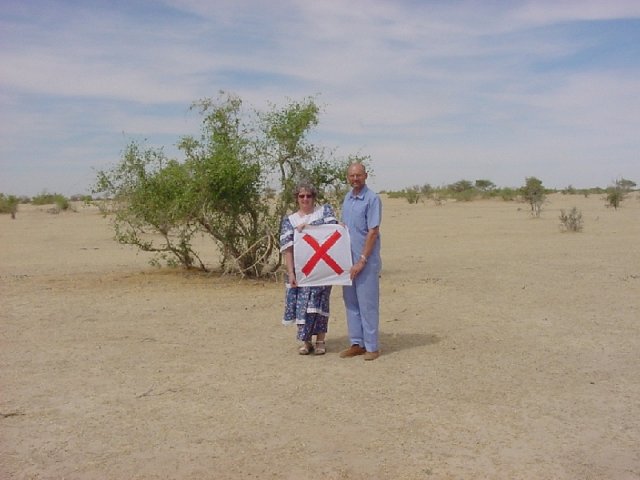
[[307, 307]]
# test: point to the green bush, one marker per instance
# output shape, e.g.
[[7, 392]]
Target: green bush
[[508, 194], [412, 194], [395, 194], [60, 201], [9, 204], [465, 195], [617, 192], [571, 221], [534, 194]]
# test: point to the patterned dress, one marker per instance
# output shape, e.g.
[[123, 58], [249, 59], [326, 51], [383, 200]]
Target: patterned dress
[[307, 307]]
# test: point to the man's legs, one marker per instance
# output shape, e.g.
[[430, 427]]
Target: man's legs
[[354, 321], [368, 292], [362, 304]]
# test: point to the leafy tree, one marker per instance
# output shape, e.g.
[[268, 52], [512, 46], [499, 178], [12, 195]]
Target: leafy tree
[[234, 185], [626, 184], [291, 157], [485, 186], [228, 184], [619, 191], [533, 193], [461, 186], [463, 190]]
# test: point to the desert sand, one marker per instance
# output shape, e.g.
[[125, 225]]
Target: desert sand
[[510, 350]]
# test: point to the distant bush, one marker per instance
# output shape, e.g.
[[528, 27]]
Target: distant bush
[[617, 192], [412, 194], [44, 198], [86, 199], [465, 195], [485, 185], [615, 198], [62, 203], [462, 191], [534, 194], [572, 221], [507, 194], [57, 199], [9, 204], [395, 193]]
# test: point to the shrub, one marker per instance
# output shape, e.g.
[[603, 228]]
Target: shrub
[[617, 192], [426, 190], [465, 195], [485, 187], [60, 201], [572, 221], [9, 204], [615, 198], [508, 194], [412, 194], [534, 194]]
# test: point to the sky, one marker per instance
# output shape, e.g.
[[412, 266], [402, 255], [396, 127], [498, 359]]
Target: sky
[[433, 91]]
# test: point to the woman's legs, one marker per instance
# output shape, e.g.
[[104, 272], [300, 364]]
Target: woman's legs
[[315, 325]]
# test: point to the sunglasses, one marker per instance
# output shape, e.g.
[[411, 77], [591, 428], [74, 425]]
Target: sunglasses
[[305, 195]]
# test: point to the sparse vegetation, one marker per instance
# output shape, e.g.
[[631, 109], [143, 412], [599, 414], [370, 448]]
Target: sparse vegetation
[[9, 204], [571, 221], [60, 202], [508, 194], [463, 191], [412, 194], [534, 194], [485, 185], [617, 192]]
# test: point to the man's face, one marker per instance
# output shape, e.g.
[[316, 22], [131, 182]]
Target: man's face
[[356, 176]]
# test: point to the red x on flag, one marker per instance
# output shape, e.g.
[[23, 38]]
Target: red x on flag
[[322, 255]]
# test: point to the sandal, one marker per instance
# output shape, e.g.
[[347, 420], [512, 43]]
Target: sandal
[[321, 347], [306, 349]]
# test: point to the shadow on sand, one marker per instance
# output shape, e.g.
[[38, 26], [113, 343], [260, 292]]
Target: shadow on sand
[[393, 342]]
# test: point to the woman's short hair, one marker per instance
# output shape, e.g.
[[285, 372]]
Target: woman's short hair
[[307, 187]]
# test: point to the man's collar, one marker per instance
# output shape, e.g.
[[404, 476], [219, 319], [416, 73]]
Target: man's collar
[[361, 194]]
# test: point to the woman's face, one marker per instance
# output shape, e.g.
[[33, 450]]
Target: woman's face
[[305, 200]]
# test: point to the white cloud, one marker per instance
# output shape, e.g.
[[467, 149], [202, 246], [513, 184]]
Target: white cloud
[[436, 87], [536, 12]]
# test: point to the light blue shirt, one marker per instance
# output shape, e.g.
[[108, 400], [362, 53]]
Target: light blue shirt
[[361, 213]]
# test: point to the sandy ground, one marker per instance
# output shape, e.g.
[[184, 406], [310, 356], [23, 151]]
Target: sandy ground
[[510, 351]]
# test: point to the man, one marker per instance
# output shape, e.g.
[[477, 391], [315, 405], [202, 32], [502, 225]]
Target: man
[[362, 213]]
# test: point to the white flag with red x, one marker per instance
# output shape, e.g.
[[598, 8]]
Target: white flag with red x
[[322, 255]]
